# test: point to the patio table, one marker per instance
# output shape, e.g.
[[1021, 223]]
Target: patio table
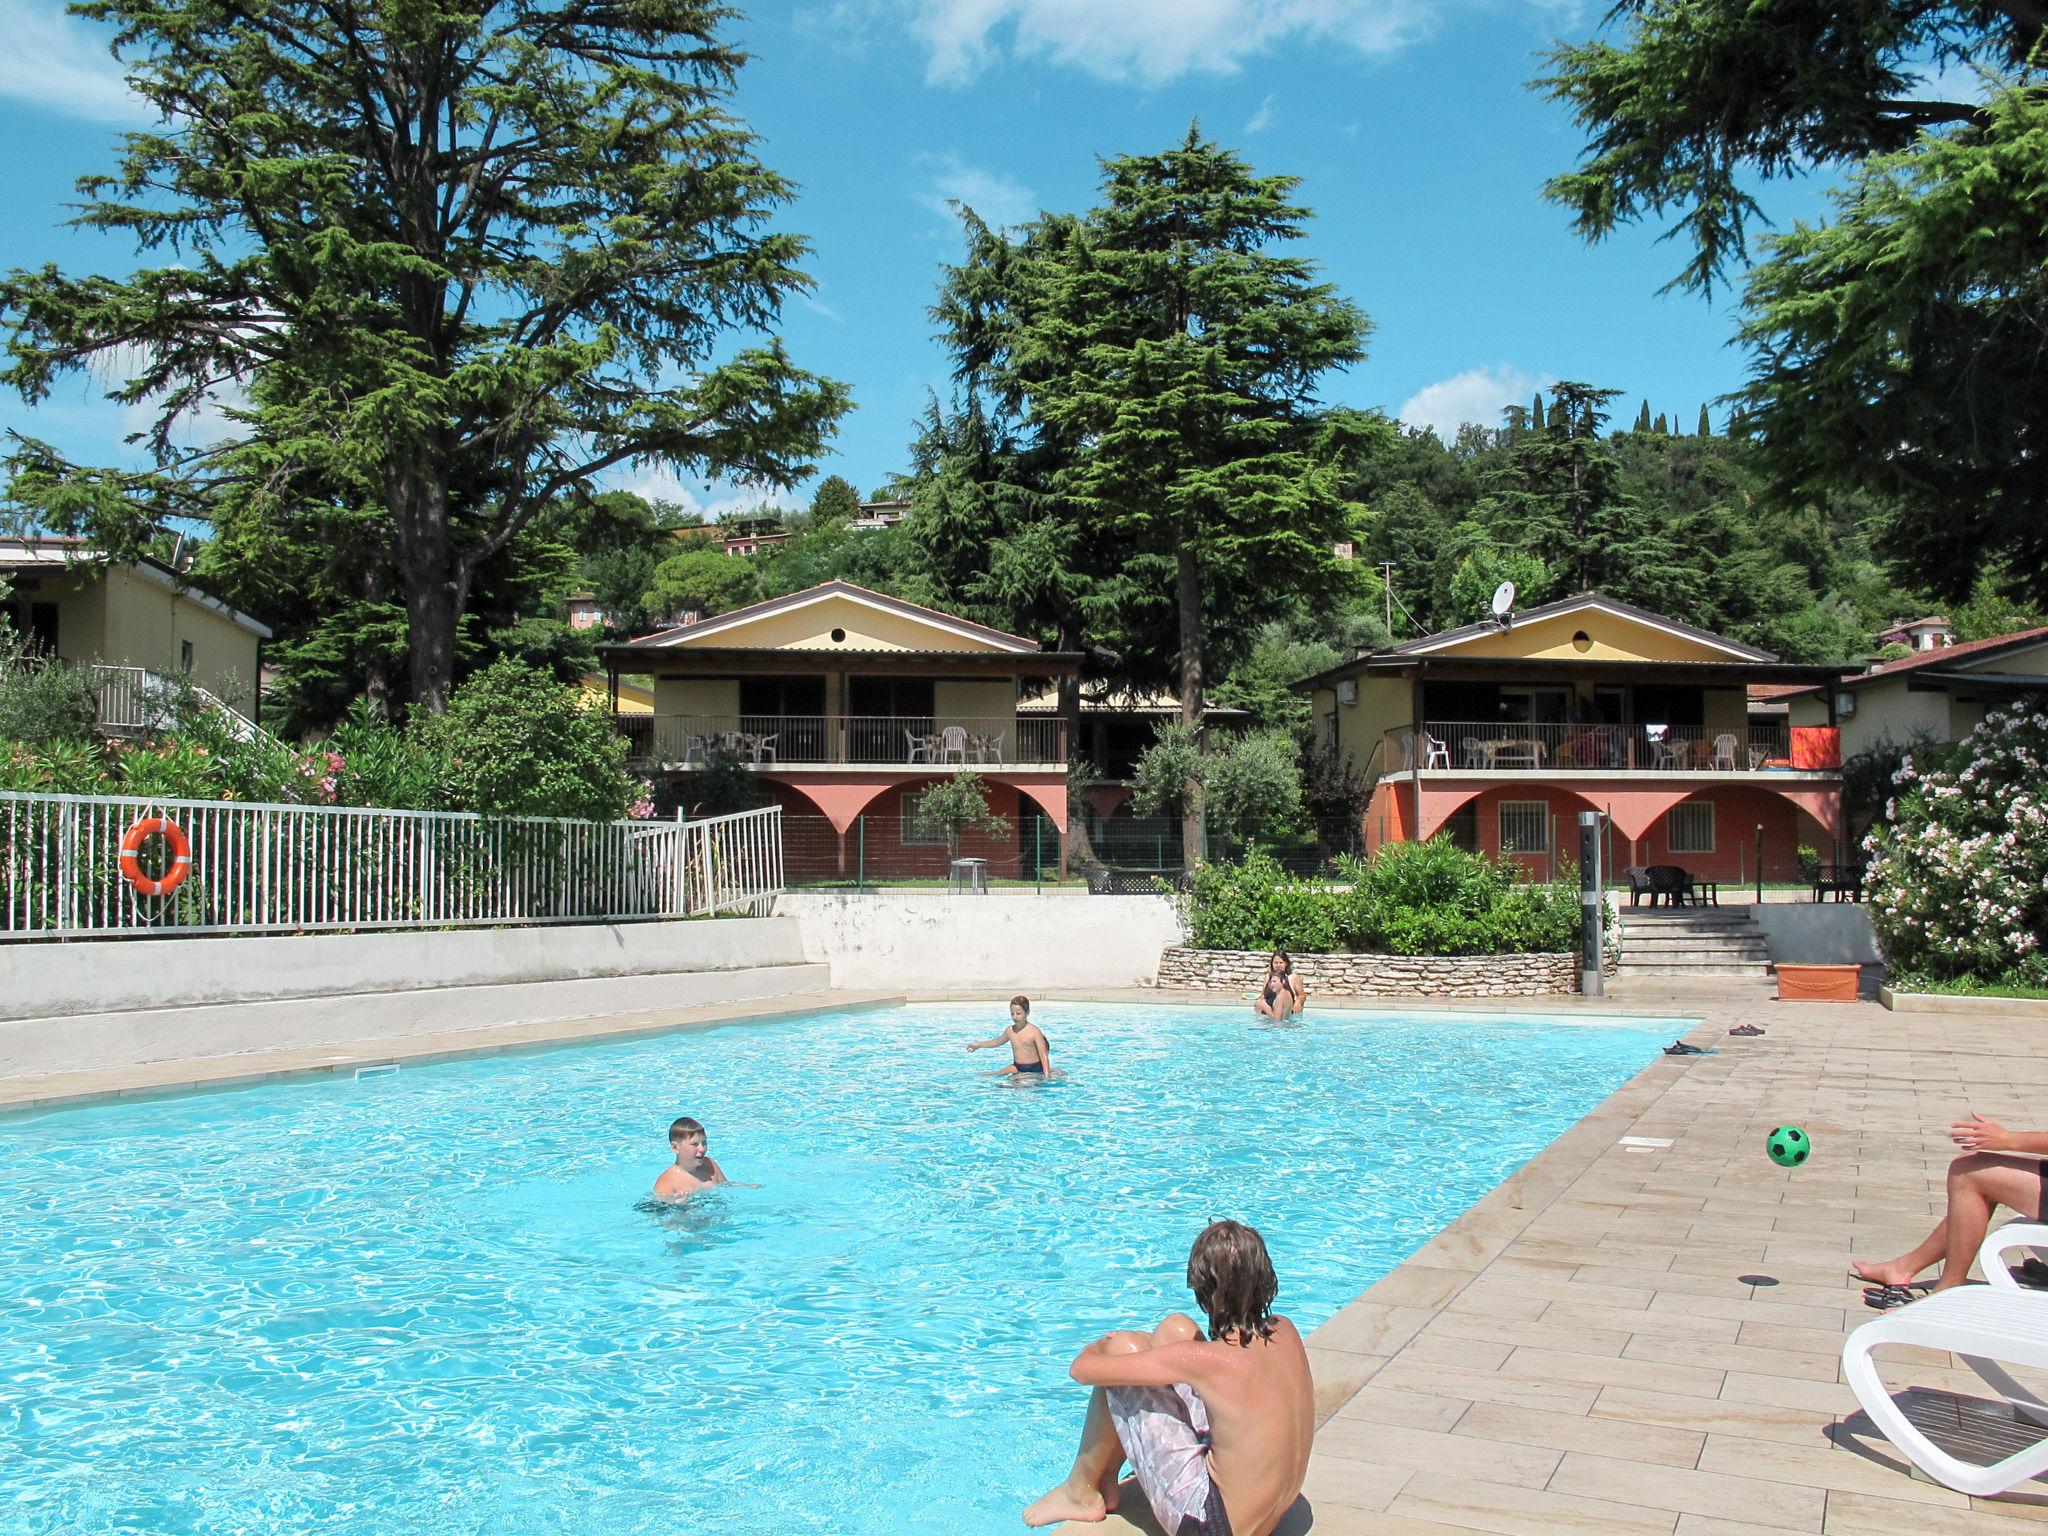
[[1514, 752]]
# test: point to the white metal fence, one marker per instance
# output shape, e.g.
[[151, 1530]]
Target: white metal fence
[[137, 699], [299, 868]]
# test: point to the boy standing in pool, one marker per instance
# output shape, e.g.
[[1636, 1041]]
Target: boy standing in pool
[[1217, 1429], [692, 1169], [1030, 1053]]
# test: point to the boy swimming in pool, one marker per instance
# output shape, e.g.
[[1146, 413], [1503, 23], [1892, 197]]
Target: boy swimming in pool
[[1030, 1052], [692, 1169], [1218, 1429]]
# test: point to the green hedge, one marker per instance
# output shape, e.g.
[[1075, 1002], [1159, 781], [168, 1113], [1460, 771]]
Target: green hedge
[[1412, 899]]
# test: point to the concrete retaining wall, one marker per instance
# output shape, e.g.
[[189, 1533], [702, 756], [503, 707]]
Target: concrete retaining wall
[[102, 976], [2030, 1008], [1234, 970], [1818, 933], [85, 1042], [926, 941]]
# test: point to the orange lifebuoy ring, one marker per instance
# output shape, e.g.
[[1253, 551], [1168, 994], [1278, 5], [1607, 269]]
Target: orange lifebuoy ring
[[131, 855]]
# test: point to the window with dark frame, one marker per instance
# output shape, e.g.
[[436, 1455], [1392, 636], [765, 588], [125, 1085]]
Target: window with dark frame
[[1524, 826], [1689, 828]]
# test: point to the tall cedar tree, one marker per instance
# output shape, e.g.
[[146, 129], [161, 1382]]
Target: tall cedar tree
[[1895, 353], [1560, 497], [1163, 337], [461, 259]]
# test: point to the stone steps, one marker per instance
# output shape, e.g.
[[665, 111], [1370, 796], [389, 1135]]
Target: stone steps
[[1691, 941]]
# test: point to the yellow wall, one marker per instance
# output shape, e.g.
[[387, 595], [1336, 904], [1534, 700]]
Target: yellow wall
[[974, 699], [810, 628], [1384, 704], [697, 696], [121, 617], [145, 623], [1613, 637], [1727, 709]]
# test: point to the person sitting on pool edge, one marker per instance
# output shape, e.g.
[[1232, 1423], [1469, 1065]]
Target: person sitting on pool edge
[[692, 1169], [1217, 1429], [1030, 1051], [1283, 995]]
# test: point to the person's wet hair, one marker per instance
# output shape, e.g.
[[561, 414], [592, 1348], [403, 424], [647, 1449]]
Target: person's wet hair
[[1233, 1281], [684, 1127], [1021, 1001]]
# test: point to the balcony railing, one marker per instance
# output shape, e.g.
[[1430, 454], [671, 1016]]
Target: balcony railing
[[880, 741], [1499, 746]]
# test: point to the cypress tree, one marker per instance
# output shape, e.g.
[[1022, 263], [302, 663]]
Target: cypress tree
[[1643, 418], [1706, 426], [1537, 419], [1662, 428]]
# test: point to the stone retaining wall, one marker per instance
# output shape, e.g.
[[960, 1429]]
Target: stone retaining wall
[[1235, 970]]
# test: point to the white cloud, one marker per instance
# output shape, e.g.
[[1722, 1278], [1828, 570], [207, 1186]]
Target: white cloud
[[999, 199], [1152, 40], [53, 61], [708, 499], [1476, 395], [1263, 118]]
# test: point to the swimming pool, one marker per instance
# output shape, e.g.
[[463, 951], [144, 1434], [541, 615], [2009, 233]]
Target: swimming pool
[[430, 1301]]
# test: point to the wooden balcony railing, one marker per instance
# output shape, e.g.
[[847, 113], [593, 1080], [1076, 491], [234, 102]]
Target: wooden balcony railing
[[1497, 746], [877, 741]]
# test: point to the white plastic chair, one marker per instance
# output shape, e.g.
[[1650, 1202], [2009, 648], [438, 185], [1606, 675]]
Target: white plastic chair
[[919, 748], [1438, 754], [764, 749], [1724, 752], [992, 747], [1988, 1327], [953, 744]]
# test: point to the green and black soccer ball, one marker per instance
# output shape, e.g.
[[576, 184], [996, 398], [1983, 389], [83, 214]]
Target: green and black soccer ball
[[1789, 1146]]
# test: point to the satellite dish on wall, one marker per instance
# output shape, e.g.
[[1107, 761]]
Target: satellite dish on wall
[[1503, 600]]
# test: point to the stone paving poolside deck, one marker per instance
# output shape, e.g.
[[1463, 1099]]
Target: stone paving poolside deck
[[1646, 1341]]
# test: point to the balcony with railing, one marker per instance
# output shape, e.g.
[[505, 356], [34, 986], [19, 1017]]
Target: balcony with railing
[[928, 743], [1520, 747]]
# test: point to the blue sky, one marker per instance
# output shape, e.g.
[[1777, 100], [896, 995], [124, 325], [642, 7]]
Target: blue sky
[[1407, 120]]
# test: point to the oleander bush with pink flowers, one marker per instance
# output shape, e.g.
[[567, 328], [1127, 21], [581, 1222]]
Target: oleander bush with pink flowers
[[1958, 883]]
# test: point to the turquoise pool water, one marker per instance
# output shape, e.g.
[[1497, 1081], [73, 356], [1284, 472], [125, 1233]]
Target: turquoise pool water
[[431, 1302]]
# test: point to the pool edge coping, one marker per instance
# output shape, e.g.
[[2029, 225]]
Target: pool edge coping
[[248, 1069]]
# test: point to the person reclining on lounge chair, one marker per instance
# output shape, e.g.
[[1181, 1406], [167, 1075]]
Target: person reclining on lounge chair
[[1999, 1167]]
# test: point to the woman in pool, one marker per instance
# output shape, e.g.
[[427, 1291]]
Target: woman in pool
[[1283, 996]]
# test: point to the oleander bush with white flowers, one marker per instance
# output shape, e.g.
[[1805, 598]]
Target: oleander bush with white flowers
[[1958, 882]]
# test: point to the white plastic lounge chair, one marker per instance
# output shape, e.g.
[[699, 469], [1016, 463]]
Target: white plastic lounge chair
[[2014, 1234], [1988, 1327]]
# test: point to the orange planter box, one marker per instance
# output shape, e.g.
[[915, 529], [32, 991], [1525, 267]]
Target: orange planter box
[[1818, 983]]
